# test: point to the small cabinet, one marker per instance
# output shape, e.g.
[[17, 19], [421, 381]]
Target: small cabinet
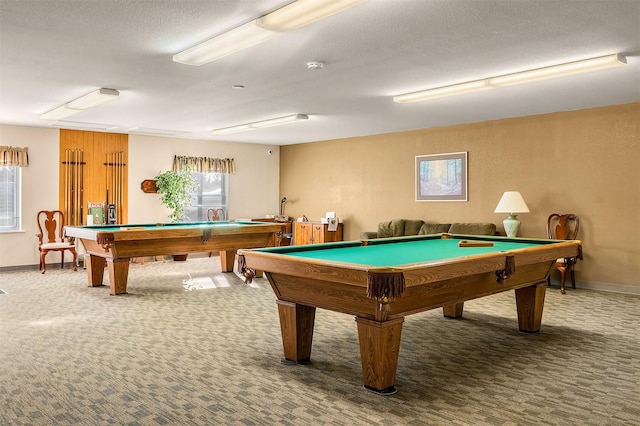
[[315, 233]]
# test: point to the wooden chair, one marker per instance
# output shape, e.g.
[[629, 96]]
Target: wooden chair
[[215, 215], [564, 227], [51, 237]]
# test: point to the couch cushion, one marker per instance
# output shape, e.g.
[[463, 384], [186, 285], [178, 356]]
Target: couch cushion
[[412, 227], [434, 228], [393, 228], [475, 228]]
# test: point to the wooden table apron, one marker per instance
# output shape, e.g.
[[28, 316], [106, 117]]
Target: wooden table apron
[[302, 285], [115, 248]]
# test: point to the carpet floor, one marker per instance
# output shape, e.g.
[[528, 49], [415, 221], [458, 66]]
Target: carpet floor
[[192, 346]]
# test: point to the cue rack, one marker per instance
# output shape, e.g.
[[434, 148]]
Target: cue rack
[[73, 186], [115, 185]]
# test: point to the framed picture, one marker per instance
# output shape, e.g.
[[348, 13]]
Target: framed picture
[[96, 210], [441, 177]]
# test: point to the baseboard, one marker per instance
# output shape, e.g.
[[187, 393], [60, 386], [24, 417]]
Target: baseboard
[[598, 286]]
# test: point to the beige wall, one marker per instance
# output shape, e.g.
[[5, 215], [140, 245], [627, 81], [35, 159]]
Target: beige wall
[[253, 188], [585, 162]]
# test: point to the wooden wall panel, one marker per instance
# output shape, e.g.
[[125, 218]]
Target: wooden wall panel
[[97, 148]]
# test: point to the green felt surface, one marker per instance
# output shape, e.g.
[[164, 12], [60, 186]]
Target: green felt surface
[[405, 253]]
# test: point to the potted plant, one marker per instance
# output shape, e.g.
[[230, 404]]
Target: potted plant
[[175, 192]]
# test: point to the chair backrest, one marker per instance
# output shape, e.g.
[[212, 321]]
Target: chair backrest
[[563, 226], [50, 226], [215, 214]]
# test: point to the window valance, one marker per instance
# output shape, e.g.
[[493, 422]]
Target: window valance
[[12, 156], [204, 164]]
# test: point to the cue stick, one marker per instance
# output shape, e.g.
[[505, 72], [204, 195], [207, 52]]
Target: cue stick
[[72, 188], [117, 213], [78, 177], [106, 177], [66, 184], [121, 197], [82, 218], [75, 187]]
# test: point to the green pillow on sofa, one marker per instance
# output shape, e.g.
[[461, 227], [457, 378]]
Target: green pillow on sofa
[[434, 228], [393, 228], [476, 228]]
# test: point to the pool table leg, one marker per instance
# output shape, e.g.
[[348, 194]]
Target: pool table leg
[[118, 274], [296, 325], [530, 302], [453, 311], [95, 269], [227, 259], [379, 349]]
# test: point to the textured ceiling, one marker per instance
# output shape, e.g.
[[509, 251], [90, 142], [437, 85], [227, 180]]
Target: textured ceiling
[[54, 51]]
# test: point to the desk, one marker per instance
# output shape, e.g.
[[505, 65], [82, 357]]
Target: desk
[[381, 281], [115, 245]]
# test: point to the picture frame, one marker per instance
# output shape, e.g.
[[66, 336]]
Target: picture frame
[[441, 177], [96, 210]]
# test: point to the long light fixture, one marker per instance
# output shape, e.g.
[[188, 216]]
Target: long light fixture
[[89, 100], [561, 70], [439, 92], [225, 44], [279, 121], [303, 12], [287, 18]]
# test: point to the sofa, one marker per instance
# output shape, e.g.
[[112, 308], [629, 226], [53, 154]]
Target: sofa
[[405, 227]]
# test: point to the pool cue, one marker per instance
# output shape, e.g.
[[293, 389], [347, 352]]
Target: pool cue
[[73, 188], [78, 220], [78, 177], [121, 198], [66, 185], [82, 218]]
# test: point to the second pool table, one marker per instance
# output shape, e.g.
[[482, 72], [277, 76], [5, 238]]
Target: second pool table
[[115, 245], [381, 281]]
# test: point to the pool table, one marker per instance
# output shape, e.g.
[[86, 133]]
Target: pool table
[[115, 245], [381, 281]]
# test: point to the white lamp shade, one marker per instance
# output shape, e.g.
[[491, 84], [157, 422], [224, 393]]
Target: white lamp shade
[[512, 202]]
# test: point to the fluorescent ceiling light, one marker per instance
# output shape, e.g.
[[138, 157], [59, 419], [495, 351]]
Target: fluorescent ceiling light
[[287, 18], [233, 129], [587, 65], [158, 132], [303, 12], [261, 124], [232, 41], [561, 70], [89, 100], [82, 125], [59, 113], [280, 121], [439, 92]]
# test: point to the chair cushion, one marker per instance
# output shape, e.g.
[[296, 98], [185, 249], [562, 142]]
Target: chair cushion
[[393, 228], [476, 228], [434, 228], [54, 246]]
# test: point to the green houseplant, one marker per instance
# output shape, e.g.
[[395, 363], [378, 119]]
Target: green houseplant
[[175, 189]]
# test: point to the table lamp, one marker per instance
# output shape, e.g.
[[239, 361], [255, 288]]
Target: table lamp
[[513, 204]]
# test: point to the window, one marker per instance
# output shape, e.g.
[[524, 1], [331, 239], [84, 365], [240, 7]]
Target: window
[[10, 190], [211, 193]]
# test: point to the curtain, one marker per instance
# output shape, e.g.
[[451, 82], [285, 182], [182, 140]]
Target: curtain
[[12, 156], [204, 164]]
